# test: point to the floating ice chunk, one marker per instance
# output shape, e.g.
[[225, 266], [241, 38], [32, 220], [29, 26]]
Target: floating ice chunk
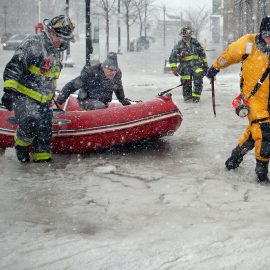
[[105, 169]]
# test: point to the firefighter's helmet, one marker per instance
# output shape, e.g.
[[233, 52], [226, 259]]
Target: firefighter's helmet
[[265, 27], [62, 26], [186, 30]]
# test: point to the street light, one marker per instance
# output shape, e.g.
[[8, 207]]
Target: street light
[[39, 26], [68, 62], [5, 18], [164, 26], [89, 47], [119, 29], [145, 17]]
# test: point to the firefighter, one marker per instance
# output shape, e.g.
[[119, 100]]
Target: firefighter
[[188, 60], [97, 84], [29, 85], [253, 50]]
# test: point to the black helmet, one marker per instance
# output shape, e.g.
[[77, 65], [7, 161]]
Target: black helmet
[[62, 26], [186, 30], [265, 27]]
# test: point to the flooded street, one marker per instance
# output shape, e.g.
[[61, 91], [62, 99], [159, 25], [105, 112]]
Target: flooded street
[[164, 204]]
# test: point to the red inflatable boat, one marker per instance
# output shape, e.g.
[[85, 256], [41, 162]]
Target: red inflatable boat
[[78, 131]]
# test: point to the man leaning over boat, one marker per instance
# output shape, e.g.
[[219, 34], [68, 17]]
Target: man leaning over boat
[[97, 84]]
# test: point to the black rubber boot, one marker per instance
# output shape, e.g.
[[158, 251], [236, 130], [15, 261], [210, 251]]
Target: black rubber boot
[[196, 99], [43, 160], [22, 153], [235, 159], [262, 171]]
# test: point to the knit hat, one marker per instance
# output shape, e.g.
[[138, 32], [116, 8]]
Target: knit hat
[[265, 27], [111, 61]]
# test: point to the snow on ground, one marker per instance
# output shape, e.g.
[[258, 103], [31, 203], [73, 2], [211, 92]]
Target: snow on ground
[[167, 204]]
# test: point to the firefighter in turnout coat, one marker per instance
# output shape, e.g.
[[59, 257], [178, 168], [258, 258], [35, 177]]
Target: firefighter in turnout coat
[[29, 86], [253, 50], [188, 60]]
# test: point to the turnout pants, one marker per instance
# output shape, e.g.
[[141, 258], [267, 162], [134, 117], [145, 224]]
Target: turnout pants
[[188, 74], [34, 126]]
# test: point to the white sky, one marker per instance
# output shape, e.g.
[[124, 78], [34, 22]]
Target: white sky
[[184, 3]]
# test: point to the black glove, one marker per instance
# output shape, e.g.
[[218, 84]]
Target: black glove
[[8, 99], [125, 102], [212, 72], [205, 68], [59, 100]]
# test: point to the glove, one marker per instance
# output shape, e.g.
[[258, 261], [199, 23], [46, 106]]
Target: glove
[[125, 102], [205, 68], [183, 54], [59, 100], [212, 72], [8, 99], [175, 71]]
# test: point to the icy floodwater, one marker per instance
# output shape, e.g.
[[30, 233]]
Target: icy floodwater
[[165, 204]]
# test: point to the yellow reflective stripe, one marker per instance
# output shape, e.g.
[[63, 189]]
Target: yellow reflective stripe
[[28, 91], [205, 60], [41, 156], [191, 57], [173, 65], [34, 70], [185, 77], [198, 70], [196, 95], [20, 142], [52, 73], [11, 84]]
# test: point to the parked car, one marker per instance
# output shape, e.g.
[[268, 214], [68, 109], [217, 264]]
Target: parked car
[[14, 41], [5, 37], [142, 43]]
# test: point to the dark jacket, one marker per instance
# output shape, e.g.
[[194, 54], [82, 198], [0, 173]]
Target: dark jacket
[[94, 85], [188, 54], [35, 65]]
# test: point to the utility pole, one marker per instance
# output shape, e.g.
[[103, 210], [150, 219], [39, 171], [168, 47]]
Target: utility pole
[[68, 62], [5, 18], [145, 15], [39, 26], [88, 35], [119, 29], [39, 11], [164, 26]]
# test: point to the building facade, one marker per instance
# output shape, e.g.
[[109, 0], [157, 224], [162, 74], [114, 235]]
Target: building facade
[[23, 15], [242, 16]]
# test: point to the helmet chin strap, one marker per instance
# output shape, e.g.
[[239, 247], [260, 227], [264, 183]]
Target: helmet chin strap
[[187, 39]]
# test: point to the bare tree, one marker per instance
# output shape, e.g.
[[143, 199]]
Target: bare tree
[[139, 4], [144, 10], [106, 10], [198, 18], [130, 14]]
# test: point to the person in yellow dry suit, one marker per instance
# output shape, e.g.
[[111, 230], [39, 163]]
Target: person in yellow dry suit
[[253, 50]]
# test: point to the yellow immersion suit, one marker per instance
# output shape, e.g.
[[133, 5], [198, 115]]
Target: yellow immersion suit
[[253, 66]]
